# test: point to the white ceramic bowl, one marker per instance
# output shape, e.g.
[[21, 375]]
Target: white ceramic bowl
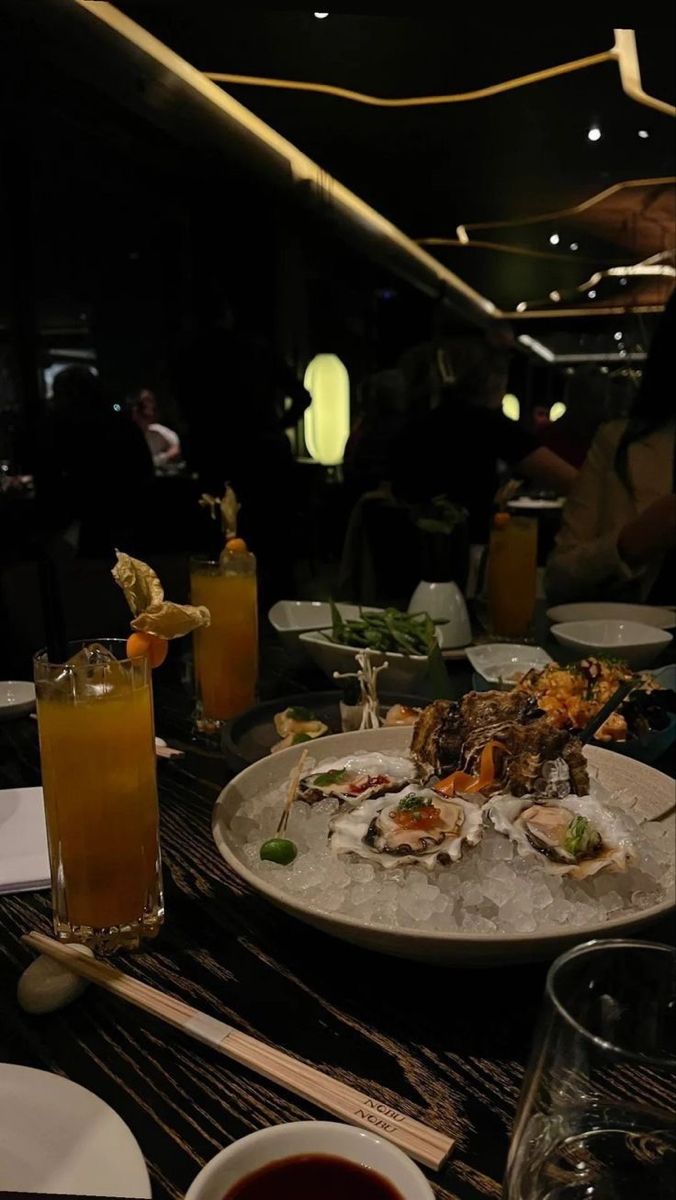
[[603, 610], [290, 618], [643, 789], [404, 673], [16, 698], [503, 664], [639, 645], [251, 1153]]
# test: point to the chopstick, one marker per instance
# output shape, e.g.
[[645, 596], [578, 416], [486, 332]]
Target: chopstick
[[415, 1139], [592, 726]]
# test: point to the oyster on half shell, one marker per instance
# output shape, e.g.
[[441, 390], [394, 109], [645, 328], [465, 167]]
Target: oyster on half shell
[[356, 777], [574, 836], [414, 826]]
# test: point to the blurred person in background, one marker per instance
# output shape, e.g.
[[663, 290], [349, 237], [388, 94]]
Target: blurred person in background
[[618, 536], [232, 386], [164, 444], [368, 451], [94, 473], [456, 450]]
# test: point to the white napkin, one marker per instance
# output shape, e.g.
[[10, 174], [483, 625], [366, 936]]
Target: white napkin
[[24, 858]]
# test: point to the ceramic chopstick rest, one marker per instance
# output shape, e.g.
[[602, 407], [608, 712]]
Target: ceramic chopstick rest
[[46, 985]]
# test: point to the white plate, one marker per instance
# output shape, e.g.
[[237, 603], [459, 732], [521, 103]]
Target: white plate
[[526, 502], [24, 858], [16, 698], [638, 645], [652, 791], [56, 1137], [645, 614], [501, 662]]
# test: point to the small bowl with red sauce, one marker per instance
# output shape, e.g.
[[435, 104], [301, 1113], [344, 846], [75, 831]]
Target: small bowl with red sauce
[[307, 1160]]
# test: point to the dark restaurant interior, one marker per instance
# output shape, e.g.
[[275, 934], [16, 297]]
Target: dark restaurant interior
[[373, 313]]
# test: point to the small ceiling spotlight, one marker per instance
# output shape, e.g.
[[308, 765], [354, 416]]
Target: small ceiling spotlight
[[592, 293], [320, 16], [618, 335], [574, 246], [554, 239], [556, 296], [643, 133], [594, 134], [521, 306]]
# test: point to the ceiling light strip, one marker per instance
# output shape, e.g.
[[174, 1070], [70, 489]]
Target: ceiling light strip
[[590, 202], [623, 51], [494, 89], [302, 167], [582, 310], [626, 53], [537, 347], [506, 249]]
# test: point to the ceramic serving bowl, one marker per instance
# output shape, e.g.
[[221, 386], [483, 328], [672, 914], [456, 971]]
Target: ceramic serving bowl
[[608, 610], [501, 664], [404, 673], [638, 645], [257, 1150], [290, 618], [17, 698]]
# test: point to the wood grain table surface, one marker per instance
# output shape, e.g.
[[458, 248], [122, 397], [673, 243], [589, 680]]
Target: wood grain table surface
[[446, 1045]]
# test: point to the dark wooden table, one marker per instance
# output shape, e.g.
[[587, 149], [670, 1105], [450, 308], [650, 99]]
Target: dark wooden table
[[446, 1045]]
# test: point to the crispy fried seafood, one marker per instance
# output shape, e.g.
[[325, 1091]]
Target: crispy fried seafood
[[497, 741], [572, 695]]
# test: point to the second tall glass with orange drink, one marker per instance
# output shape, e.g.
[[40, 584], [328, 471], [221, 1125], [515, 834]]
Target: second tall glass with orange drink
[[512, 575], [226, 651]]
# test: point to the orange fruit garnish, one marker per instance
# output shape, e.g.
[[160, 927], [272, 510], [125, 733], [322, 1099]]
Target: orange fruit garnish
[[236, 545], [155, 648]]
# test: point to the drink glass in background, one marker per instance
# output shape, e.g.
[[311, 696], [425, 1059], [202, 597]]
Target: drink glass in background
[[97, 749], [597, 1115], [512, 574], [226, 651]]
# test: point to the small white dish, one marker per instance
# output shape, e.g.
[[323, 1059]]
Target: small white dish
[[524, 503], [257, 1150], [504, 663], [24, 857], [404, 673], [58, 1138], [601, 610], [638, 645], [17, 697], [444, 602]]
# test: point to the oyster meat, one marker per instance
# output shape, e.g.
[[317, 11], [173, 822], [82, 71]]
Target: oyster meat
[[575, 836], [415, 826], [357, 777]]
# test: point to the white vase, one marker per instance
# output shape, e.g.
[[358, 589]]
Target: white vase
[[444, 602]]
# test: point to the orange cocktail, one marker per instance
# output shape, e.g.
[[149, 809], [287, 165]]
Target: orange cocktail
[[512, 575], [226, 651], [97, 748]]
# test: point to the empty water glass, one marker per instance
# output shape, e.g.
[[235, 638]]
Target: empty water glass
[[597, 1115]]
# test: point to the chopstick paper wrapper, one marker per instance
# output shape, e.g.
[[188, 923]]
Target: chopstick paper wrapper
[[421, 1143]]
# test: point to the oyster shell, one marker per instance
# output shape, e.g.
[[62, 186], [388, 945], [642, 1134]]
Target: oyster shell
[[413, 826], [357, 777], [575, 836]]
